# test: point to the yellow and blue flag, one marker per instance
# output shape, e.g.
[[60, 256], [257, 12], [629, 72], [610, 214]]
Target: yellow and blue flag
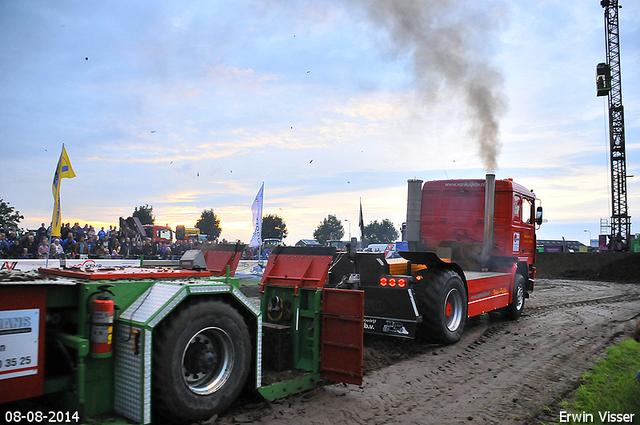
[[63, 170]]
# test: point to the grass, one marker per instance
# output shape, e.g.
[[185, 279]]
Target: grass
[[610, 385]]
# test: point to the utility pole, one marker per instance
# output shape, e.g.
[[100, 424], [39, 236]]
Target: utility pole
[[349, 228], [609, 84]]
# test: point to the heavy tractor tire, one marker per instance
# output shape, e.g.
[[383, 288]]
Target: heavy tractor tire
[[514, 309], [442, 301], [201, 360]]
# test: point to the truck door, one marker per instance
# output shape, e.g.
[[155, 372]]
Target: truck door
[[342, 336], [523, 226]]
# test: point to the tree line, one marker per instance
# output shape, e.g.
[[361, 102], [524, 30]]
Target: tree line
[[331, 228], [273, 226]]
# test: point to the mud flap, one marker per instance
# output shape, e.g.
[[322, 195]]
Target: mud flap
[[391, 312], [342, 337]]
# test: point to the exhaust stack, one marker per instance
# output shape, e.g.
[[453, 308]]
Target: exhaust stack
[[489, 209], [414, 210]]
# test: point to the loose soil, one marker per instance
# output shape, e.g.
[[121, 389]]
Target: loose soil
[[500, 372]]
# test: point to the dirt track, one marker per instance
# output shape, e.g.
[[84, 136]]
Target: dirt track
[[501, 372]]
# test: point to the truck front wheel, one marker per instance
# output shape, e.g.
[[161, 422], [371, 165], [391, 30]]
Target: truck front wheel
[[442, 302], [201, 360], [514, 310]]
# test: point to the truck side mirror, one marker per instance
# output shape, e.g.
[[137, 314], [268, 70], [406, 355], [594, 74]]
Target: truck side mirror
[[539, 216]]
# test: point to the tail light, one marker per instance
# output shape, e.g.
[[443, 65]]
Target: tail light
[[392, 282]]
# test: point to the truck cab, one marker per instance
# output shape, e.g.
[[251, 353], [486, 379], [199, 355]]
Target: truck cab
[[471, 250], [452, 224], [158, 234]]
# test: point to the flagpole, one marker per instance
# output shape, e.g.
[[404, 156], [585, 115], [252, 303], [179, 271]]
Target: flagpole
[[260, 246], [56, 209]]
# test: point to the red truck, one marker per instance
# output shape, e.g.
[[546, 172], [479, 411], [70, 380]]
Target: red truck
[[472, 249], [159, 234]]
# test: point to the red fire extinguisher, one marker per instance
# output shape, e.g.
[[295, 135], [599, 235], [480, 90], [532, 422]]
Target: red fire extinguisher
[[102, 309]]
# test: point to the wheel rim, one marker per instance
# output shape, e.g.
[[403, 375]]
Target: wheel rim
[[207, 361], [519, 297], [453, 310]]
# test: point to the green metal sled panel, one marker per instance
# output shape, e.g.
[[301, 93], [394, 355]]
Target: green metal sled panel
[[133, 355], [291, 386], [154, 304], [132, 398]]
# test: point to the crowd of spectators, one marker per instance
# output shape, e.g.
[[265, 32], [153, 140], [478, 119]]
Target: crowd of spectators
[[85, 242]]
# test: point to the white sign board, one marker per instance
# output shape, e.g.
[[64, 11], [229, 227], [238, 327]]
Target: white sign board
[[19, 342], [516, 242]]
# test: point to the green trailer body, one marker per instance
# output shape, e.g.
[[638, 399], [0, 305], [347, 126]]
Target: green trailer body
[[93, 384], [149, 317]]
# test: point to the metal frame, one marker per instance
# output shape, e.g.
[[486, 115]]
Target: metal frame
[[305, 306], [296, 276], [620, 220]]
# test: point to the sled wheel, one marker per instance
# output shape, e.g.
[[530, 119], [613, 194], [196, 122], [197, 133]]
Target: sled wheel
[[201, 360]]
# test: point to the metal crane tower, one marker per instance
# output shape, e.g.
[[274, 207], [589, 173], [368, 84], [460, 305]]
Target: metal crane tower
[[609, 84]]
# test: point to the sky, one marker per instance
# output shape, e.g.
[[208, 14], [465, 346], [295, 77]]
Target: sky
[[187, 106]]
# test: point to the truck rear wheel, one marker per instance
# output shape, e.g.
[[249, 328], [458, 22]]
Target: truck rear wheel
[[514, 310], [201, 360], [442, 302]]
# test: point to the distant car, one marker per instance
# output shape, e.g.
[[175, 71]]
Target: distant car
[[338, 245], [390, 249], [270, 243], [308, 242]]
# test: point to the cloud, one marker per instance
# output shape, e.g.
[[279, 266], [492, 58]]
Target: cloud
[[325, 103], [244, 78], [377, 107]]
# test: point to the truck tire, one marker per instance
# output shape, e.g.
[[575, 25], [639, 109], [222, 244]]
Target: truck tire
[[514, 309], [201, 360], [442, 301]]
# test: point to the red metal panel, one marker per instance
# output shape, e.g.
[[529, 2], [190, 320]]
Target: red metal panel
[[298, 267], [125, 273], [217, 262], [16, 298], [342, 336], [488, 291], [220, 255]]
